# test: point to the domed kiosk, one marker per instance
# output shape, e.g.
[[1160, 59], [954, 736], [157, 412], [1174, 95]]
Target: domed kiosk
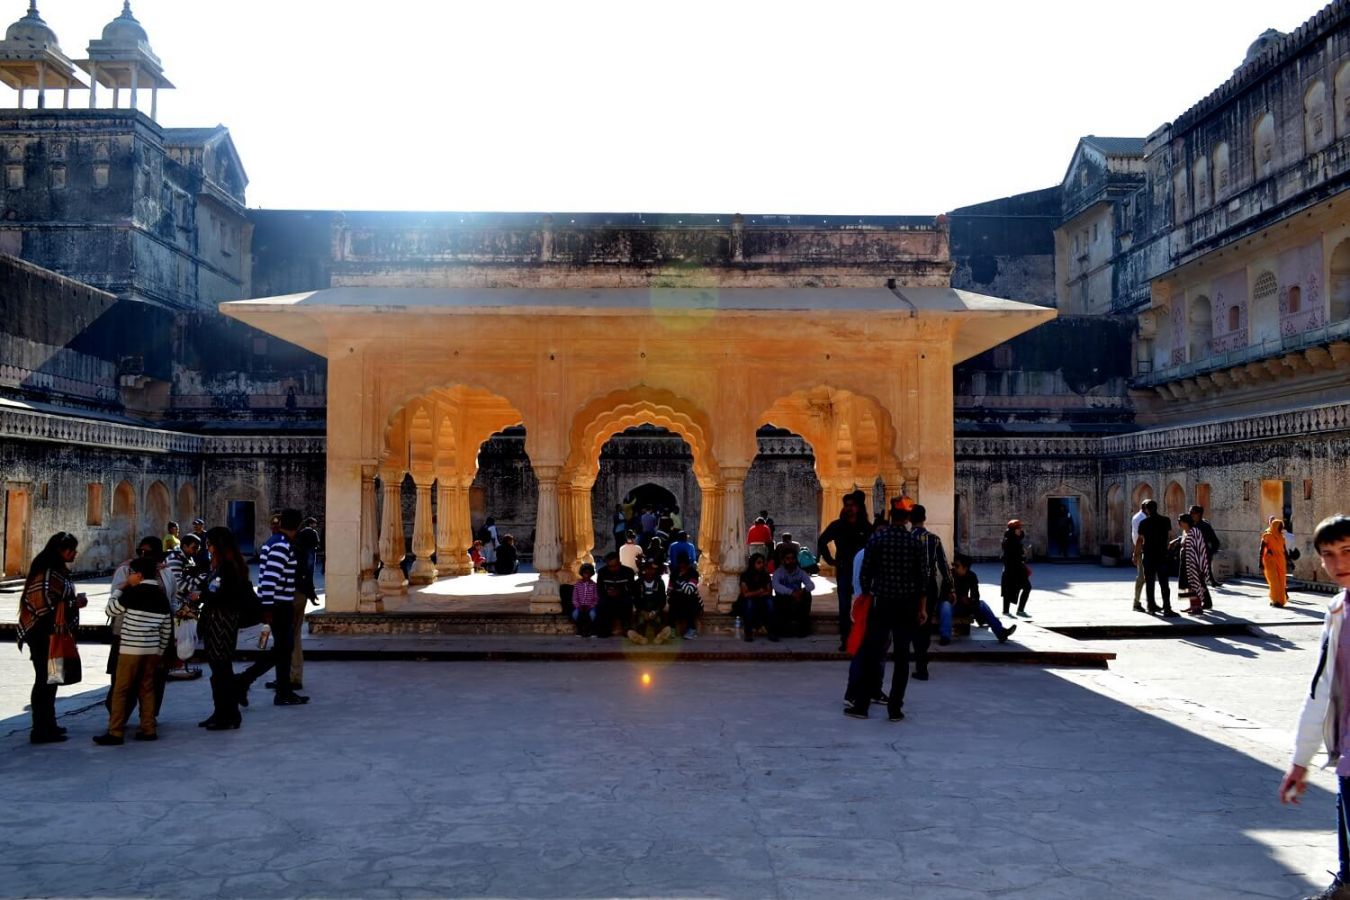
[[122, 60], [31, 59]]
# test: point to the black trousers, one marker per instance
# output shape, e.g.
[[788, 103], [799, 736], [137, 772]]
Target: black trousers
[[921, 638], [43, 697], [224, 693], [283, 644], [864, 673], [1155, 570]]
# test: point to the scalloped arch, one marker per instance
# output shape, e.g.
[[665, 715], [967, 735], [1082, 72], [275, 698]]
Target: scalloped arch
[[602, 418]]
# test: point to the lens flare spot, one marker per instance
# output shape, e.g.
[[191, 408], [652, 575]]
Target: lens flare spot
[[646, 679]]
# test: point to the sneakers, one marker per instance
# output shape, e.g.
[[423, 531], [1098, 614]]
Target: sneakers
[[47, 737], [1007, 633], [853, 711], [664, 635], [635, 637], [295, 686], [1337, 890], [896, 716]]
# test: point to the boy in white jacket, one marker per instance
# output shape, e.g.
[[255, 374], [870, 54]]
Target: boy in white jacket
[[1326, 711]]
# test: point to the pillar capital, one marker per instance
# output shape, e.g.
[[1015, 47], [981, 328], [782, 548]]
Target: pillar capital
[[734, 473]]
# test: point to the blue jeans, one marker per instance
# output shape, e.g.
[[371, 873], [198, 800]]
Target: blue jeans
[[760, 611], [585, 619], [983, 614]]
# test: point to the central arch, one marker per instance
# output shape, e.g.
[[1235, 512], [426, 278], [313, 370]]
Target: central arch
[[600, 419]]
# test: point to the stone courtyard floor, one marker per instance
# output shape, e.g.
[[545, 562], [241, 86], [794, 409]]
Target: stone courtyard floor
[[1154, 778]]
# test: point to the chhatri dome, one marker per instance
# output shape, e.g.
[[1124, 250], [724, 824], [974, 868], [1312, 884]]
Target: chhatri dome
[[31, 58], [122, 60]]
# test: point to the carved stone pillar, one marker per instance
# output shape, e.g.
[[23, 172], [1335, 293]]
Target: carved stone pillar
[[424, 535], [452, 551], [370, 536], [567, 541], [583, 527], [733, 535], [391, 581], [547, 551]]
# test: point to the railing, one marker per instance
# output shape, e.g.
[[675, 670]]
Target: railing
[[31, 425], [1271, 347]]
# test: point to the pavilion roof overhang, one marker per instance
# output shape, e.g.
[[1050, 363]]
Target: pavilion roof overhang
[[982, 322]]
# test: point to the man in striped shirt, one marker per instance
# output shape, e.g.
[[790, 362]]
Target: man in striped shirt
[[277, 591]]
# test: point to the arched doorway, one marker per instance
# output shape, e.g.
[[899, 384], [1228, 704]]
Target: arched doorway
[[157, 510], [187, 505], [1340, 281], [1201, 328], [1115, 515], [1063, 527], [782, 484], [122, 531], [418, 525], [679, 472], [1264, 319], [1174, 501]]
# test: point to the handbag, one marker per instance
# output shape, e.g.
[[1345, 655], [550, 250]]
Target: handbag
[[862, 605], [185, 634], [250, 607], [63, 657]]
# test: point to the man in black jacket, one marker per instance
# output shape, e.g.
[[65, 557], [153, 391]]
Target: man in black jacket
[[848, 534], [1150, 550]]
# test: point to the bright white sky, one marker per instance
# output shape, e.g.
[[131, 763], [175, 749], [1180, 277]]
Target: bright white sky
[[892, 107]]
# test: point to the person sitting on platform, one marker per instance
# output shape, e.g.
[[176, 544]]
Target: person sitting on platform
[[966, 602], [759, 539], [792, 596], [630, 554], [681, 549], [685, 604], [615, 583], [649, 624], [476, 557], [756, 600], [585, 602], [507, 561]]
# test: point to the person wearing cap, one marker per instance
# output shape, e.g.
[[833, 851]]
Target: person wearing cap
[[893, 575], [1016, 581]]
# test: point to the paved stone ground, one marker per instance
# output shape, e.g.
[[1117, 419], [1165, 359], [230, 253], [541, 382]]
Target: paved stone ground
[[1155, 779]]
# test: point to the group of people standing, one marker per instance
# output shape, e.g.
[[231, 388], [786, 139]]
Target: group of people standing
[[1156, 553], [202, 580]]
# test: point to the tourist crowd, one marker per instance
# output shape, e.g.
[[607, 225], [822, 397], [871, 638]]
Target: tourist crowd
[[176, 590]]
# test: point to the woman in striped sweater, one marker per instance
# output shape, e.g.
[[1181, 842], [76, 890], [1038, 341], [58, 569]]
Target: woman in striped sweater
[[147, 629]]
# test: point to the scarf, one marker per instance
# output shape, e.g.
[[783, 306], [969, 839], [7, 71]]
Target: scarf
[[42, 594]]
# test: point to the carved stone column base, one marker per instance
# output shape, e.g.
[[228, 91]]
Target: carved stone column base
[[423, 572], [545, 597]]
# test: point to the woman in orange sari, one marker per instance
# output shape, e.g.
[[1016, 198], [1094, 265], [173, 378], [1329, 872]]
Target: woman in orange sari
[[1273, 563]]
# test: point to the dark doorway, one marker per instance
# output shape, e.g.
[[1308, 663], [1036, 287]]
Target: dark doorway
[[1064, 526], [653, 495], [240, 521]]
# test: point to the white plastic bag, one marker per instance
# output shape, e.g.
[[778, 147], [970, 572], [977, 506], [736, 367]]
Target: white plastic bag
[[186, 635]]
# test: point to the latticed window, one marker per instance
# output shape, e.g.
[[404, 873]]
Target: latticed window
[[1265, 286]]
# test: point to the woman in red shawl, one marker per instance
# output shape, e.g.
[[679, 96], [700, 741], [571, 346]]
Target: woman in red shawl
[[48, 589]]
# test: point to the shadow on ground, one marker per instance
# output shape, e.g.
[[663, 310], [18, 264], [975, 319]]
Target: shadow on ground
[[736, 780]]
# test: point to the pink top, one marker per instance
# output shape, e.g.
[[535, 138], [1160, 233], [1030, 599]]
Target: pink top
[[584, 595]]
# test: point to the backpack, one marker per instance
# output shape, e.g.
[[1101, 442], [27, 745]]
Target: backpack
[[249, 606]]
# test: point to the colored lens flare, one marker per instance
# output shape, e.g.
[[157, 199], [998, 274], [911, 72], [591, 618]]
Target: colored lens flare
[[646, 679]]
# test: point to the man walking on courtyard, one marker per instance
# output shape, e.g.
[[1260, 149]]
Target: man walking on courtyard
[[893, 573], [1326, 710], [278, 593]]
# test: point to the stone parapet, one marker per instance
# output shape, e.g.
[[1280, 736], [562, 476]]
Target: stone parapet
[[33, 425], [1293, 423]]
